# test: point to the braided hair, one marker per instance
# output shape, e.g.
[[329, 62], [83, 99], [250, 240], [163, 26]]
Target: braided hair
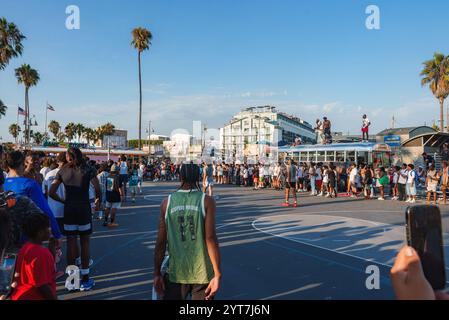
[[190, 176]]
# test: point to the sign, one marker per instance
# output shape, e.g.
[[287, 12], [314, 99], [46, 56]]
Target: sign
[[392, 141]]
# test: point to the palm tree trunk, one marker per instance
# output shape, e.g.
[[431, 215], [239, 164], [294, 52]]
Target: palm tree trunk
[[140, 105], [27, 118], [442, 114]]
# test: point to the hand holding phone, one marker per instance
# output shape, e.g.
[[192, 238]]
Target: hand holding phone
[[425, 235], [7, 270]]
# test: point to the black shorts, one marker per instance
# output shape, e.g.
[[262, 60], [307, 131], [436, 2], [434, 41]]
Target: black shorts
[[290, 185], [77, 219], [177, 291]]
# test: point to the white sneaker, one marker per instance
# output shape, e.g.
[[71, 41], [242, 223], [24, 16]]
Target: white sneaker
[[381, 199], [413, 201]]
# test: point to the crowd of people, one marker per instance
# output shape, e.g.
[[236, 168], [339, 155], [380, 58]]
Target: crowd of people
[[44, 200]]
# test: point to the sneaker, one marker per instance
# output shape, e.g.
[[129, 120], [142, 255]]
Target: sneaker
[[285, 204], [87, 285], [412, 201], [295, 205], [78, 262], [113, 225], [381, 199]]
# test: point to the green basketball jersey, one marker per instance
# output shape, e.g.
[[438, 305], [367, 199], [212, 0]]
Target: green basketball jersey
[[189, 259]]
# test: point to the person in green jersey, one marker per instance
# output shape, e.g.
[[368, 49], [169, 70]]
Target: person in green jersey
[[187, 231]]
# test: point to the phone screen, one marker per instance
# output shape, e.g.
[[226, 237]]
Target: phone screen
[[424, 234], [7, 269]]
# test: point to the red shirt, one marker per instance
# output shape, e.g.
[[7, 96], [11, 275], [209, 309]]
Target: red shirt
[[36, 267]]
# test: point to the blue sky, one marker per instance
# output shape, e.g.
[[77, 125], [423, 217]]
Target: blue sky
[[211, 58]]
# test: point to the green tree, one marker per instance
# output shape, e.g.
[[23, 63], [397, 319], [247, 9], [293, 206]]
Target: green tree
[[90, 135], [141, 42], [3, 109], [70, 131], [60, 137], [10, 42], [38, 137], [436, 75], [79, 130], [14, 131], [54, 128], [29, 77]]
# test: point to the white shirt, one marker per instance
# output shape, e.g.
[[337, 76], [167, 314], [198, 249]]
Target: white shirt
[[44, 171], [318, 174], [56, 207], [353, 175], [140, 173], [411, 177], [365, 122], [395, 177], [401, 179]]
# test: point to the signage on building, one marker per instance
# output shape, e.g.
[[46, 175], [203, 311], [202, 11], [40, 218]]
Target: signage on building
[[392, 141]]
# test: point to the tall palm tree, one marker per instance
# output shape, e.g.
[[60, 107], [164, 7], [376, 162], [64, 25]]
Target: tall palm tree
[[54, 128], [10, 42], [14, 131], [70, 131], [90, 135], [79, 129], [141, 41], [3, 109], [436, 75], [29, 77]]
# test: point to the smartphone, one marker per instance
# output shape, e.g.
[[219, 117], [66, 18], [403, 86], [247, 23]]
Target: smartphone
[[7, 270], [425, 235]]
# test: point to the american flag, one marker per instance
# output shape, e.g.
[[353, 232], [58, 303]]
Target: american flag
[[49, 107], [21, 112]]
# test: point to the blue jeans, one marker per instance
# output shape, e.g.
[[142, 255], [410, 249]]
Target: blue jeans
[[312, 184]]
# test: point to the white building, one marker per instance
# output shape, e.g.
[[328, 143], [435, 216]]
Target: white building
[[255, 133]]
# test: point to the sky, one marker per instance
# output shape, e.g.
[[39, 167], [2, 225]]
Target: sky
[[211, 58]]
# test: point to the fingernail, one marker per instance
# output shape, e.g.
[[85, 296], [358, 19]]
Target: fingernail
[[409, 252]]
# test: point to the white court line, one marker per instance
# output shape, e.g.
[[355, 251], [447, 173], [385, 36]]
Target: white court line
[[253, 224]]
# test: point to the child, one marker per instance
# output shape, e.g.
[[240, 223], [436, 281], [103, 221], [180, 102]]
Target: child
[[114, 193], [133, 183], [35, 264], [396, 170]]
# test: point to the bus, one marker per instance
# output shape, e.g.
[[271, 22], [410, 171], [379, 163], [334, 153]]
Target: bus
[[378, 154]]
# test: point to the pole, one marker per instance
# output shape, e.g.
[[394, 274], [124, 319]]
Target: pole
[[46, 117]]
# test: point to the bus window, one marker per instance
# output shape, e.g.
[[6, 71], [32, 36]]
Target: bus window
[[340, 156], [303, 157], [321, 156], [351, 156], [330, 156]]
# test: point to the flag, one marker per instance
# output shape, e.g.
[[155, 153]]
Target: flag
[[49, 107], [21, 112]]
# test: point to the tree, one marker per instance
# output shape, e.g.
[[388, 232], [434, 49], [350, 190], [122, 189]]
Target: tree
[[38, 137], [61, 137], [54, 128], [10, 42], [79, 130], [70, 131], [3, 109], [14, 131], [28, 77], [90, 135], [141, 41], [436, 75]]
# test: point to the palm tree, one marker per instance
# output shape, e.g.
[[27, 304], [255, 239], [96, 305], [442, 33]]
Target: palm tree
[[79, 129], [3, 109], [14, 131], [54, 128], [141, 41], [70, 131], [10, 42], [436, 75], [28, 77], [38, 138], [90, 135], [60, 137]]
